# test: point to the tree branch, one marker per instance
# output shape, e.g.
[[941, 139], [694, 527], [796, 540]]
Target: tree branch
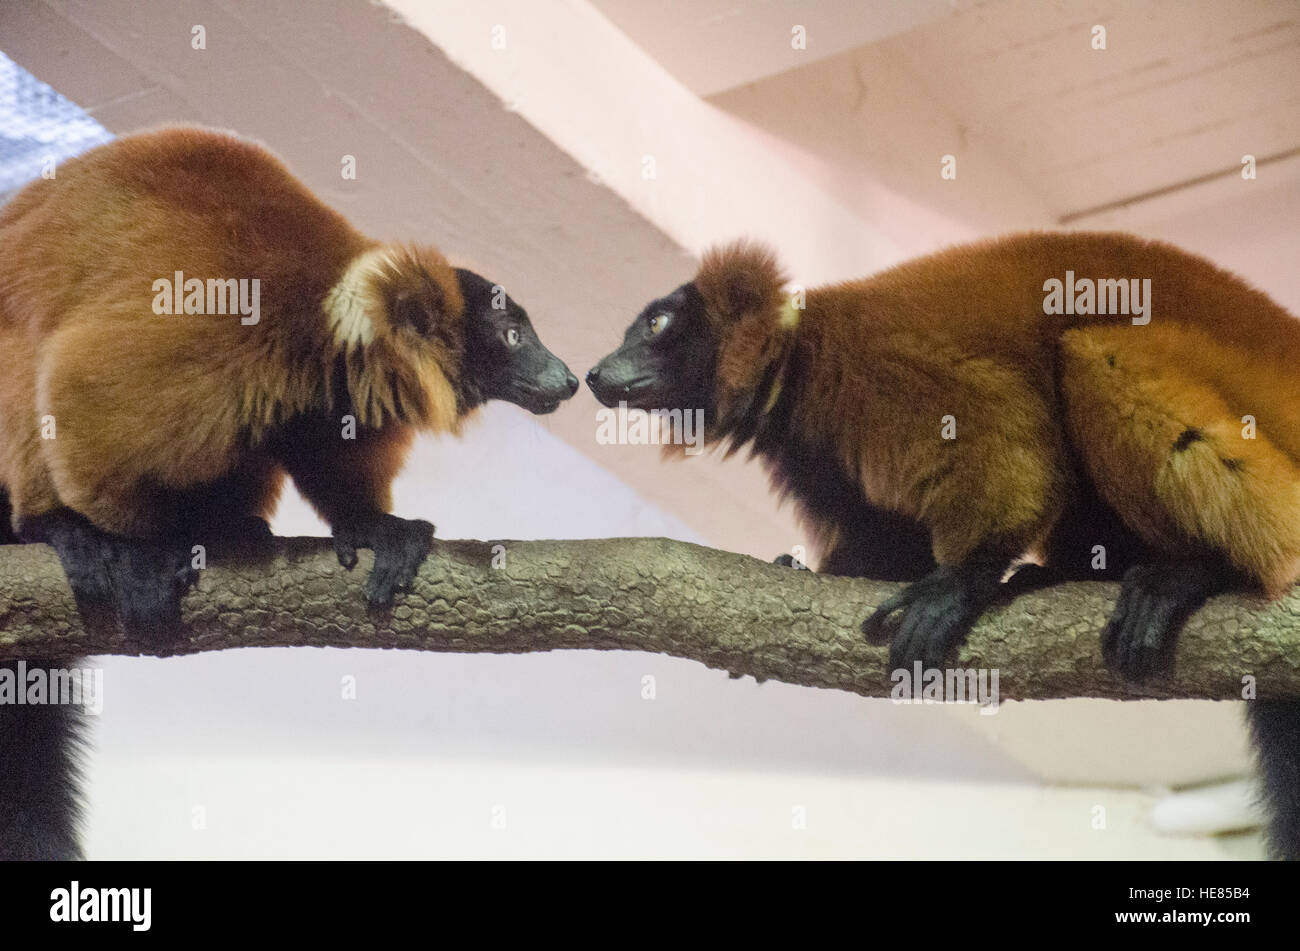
[[650, 594]]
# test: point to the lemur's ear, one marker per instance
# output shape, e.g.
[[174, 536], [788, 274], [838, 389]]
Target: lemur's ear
[[740, 279], [742, 286], [413, 310], [418, 290]]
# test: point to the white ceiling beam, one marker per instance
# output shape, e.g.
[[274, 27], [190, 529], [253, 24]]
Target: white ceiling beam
[[699, 174], [716, 45]]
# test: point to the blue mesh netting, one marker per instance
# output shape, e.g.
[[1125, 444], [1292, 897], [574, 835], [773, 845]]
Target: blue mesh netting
[[38, 125]]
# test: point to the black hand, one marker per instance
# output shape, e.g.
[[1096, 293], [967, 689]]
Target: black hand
[[400, 546], [935, 613]]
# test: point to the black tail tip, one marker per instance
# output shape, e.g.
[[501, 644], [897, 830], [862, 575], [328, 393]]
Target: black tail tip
[[1275, 726]]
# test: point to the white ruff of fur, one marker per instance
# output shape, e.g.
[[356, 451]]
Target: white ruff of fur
[[351, 303]]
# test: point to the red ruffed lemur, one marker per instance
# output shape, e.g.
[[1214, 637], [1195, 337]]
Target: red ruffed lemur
[[183, 324], [941, 420]]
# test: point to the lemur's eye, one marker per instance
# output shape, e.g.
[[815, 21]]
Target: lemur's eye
[[658, 322], [512, 337]]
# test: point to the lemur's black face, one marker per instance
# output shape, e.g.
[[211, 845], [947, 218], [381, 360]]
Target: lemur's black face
[[667, 358], [504, 360]]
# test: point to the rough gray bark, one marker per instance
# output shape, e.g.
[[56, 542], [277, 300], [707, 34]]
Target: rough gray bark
[[723, 610]]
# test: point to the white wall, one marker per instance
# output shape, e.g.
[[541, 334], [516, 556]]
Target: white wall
[[280, 765]]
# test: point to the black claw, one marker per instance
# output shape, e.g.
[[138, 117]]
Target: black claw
[[876, 627], [347, 553]]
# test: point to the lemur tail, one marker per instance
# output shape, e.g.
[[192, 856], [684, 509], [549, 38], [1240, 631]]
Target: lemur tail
[[40, 809], [39, 806], [1275, 724]]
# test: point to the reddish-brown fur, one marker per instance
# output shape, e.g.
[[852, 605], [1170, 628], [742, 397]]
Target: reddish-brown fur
[[156, 417], [1045, 406]]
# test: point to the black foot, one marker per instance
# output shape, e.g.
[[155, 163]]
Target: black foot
[[1154, 601], [400, 546], [937, 613], [787, 561], [140, 581]]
